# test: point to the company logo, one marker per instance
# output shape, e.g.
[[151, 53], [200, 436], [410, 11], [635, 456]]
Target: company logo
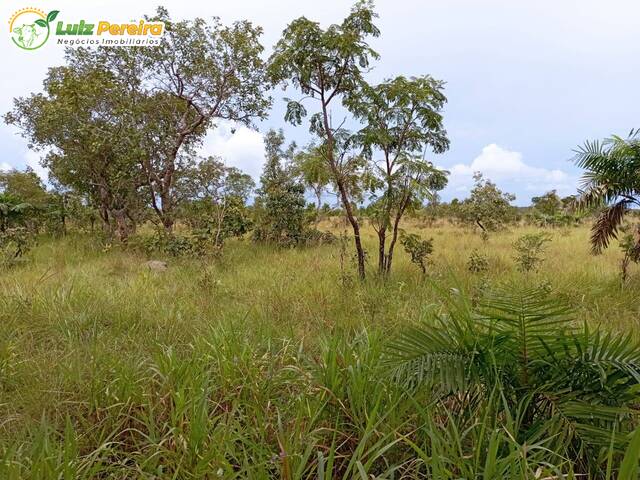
[[30, 27]]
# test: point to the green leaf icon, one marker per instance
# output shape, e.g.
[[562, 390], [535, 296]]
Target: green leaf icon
[[52, 15], [41, 23]]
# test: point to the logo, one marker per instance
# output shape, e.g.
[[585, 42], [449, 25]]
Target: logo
[[30, 27]]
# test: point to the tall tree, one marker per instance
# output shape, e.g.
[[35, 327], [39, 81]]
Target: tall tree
[[325, 65], [200, 74], [611, 183], [402, 120], [280, 200], [83, 122]]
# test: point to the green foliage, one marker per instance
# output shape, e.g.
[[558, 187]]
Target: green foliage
[[280, 202], [611, 183], [478, 262], [13, 211], [530, 249], [630, 247], [213, 200], [15, 242], [327, 65], [486, 207], [267, 363], [402, 120], [520, 356], [549, 210], [313, 170], [199, 243], [420, 250], [121, 125]]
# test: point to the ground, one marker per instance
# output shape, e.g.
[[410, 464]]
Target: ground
[[108, 363]]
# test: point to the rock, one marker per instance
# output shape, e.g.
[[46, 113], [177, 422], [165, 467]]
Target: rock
[[156, 265]]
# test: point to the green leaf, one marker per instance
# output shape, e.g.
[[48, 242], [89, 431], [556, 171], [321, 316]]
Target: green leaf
[[52, 15], [41, 23], [629, 467]]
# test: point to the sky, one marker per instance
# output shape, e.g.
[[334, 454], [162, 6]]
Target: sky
[[526, 81]]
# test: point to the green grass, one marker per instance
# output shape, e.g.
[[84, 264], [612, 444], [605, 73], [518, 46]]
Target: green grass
[[262, 364]]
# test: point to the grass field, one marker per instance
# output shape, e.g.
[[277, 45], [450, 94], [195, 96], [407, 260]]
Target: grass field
[[261, 364]]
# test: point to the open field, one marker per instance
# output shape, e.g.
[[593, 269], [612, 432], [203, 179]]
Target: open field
[[263, 363]]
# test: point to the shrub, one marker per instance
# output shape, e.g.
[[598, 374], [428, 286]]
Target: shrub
[[630, 248], [478, 262], [198, 244], [14, 244], [530, 250], [487, 207], [418, 249], [313, 237], [520, 360]]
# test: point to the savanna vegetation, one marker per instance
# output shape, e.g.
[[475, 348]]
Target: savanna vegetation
[[167, 316]]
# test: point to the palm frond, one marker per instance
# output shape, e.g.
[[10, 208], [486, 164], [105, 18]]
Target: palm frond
[[606, 226], [438, 351], [529, 318]]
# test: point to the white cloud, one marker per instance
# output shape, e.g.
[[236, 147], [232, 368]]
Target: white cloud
[[238, 146], [506, 168], [32, 159], [5, 167]]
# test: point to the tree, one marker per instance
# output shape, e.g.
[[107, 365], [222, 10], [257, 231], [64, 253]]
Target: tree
[[213, 199], [83, 121], [529, 251], [611, 183], [280, 200], [312, 169], [121, 124], [26, 185], [325, 65], [402, 120], [548, 204], [487, 207], [200, 74]]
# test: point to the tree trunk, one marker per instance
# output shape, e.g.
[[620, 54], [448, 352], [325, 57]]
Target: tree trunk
[[394, 239], [122, 228], [382, 240], [344, 196], [356, 229]]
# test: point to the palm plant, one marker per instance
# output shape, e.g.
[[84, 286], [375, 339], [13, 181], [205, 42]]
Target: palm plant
[[574, 390], [611, 182]]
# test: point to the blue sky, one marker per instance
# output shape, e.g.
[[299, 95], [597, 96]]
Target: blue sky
[[526, 81]]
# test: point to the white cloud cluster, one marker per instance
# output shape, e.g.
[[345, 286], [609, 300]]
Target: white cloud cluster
[[5, 167], [238, 146], [507, 169], [32, 159]]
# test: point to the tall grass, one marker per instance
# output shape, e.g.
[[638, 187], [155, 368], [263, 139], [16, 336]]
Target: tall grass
[[263, 364]]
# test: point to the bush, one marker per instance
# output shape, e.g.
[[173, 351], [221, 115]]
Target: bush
[[313, 237], [521, 362], [199, 243], [530, 249], [478, 262], [418, 249], [14, 244]]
